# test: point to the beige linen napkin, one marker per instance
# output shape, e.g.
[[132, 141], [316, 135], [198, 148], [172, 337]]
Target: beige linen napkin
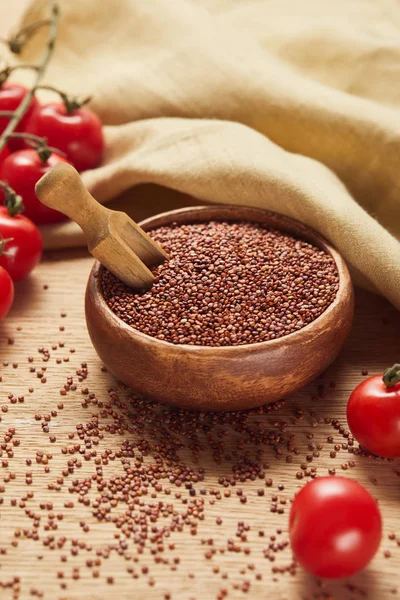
[[291, 105]]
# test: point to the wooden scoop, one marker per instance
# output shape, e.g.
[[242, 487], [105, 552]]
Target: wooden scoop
[[112, 237]]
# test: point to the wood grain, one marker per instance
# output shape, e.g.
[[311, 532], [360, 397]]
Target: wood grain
[[373, 345]]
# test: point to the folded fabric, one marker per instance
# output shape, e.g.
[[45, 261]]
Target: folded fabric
[[290, 105]]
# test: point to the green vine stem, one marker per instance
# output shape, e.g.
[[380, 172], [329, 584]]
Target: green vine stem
[[41, 67], [29, 137], [17, 41], [39, 144], [3, 242], [13, 201], [71, 103], [7, 70], [391, 376]]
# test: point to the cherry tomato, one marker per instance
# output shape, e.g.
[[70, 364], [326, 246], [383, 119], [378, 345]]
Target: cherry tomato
[[3, 154], [335, 527], [23, 252], [11, 96], [21, 170], [78, 134], [373, 415], [6, 292]]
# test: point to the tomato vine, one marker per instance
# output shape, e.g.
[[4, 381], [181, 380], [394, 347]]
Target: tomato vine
[[16, 44], [45, 128]]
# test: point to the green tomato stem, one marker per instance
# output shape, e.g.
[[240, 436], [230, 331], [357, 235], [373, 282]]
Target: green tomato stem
[[39, 144], [3, 242], [71, 104], [13, 202], [392, 376]]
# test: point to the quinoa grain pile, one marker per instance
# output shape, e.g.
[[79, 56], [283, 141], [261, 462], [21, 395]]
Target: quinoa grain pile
[[228, 284]]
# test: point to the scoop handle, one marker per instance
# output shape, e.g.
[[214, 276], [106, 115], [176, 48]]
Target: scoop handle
[[62, 189]]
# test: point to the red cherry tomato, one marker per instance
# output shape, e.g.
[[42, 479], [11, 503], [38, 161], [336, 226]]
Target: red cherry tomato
[[21, 170], [23, 252], [6, 292], [78, 134], [11, 96], [3, 154], [335, 527], [373, 415]]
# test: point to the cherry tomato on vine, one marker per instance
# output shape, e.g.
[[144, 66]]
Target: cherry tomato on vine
[[21, 170], [6, 292], [23, 251], [77, 132], [11, 96], [373, 413], [335, 527]]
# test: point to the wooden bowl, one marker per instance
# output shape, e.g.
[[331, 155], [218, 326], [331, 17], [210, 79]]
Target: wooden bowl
[[229, 377]]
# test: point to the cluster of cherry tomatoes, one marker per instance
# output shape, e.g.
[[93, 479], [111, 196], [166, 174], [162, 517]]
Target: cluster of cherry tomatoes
[[74, 134]]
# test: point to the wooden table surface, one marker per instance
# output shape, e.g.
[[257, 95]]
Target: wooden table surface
[[55, 544]]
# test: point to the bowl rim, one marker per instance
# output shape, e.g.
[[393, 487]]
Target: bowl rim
[[95, 276]]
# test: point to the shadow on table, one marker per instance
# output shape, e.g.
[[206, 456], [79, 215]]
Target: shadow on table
[[363, 585]]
